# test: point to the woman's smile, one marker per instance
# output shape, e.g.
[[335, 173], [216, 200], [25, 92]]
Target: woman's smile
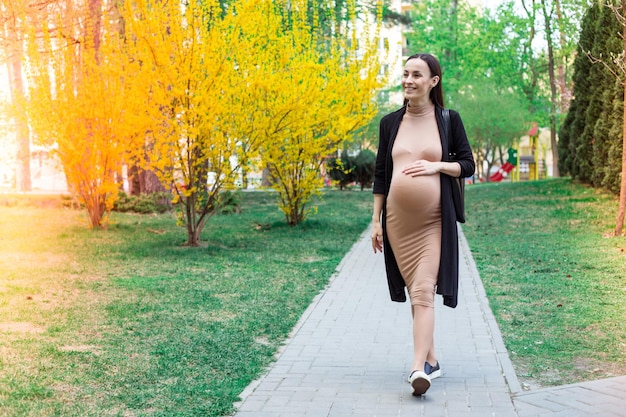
[[417, 81]]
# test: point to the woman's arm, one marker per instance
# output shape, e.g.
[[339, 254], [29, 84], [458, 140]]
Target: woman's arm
[[424, 167], [460, 147], [377, 228], [379, 187], [380, 168]]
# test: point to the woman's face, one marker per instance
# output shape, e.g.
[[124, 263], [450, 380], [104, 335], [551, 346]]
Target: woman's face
[[417, 80]]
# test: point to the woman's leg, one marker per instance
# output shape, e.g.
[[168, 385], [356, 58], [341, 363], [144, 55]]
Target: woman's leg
[[431, 357], [423, 329]]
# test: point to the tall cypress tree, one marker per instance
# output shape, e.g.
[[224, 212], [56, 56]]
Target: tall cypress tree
[[571, 135], [599, 80], [566, 157], [609, 39]]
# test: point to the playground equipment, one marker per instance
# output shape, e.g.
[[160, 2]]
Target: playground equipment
[[505, 169], [526, 159]]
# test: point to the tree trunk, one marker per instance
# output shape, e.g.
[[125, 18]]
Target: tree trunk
[[134, 180], [21, 125], [266, 178], [96, 209], [193, 235], [195, 220], [450, 54], [150, 183], [622, 193], [244, 176], [16, 84], [143, 181], [553, 93], [565, 91], [95, 20], [530, 86]]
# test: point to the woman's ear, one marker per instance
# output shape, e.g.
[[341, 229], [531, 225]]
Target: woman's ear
[[436, 78]]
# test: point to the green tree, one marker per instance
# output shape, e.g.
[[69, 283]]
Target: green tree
[[601, 79], [365, 163], [472, 45], [548, 17], [342, 169], [493, 118], [593, 137], [482, 57], [574, 149], [608, 169], [551, 66], [353, 168], [608, 32]]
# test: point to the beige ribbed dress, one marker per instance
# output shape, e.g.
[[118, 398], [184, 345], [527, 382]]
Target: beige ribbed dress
[[414, 206]]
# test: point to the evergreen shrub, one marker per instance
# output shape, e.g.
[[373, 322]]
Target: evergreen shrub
[[353, 169], [159, 202]]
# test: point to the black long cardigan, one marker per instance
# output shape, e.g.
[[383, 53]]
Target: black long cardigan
[[448, 277]]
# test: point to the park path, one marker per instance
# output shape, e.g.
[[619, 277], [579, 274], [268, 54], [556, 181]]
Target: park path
[[350, 353]]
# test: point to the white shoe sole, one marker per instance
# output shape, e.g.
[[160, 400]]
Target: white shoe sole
[[432, 375], [435, 374]]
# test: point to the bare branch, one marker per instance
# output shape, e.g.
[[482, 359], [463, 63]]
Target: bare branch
[[617, 60], [616, 11]]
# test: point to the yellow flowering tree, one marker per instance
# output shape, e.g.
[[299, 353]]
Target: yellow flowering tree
[[188, 76], [82, 98], [14, 16], [246, 83], [312, 93], [197, 91]]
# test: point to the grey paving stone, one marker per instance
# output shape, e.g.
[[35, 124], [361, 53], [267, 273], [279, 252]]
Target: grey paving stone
[[350, 353]]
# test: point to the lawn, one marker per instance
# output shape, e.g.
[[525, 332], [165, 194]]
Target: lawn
[[127, 322], [554, 277]]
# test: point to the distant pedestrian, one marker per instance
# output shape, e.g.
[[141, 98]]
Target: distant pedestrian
[[414, 218]]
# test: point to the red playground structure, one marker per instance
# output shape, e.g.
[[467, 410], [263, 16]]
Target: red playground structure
[[506, 168], [502, 172]]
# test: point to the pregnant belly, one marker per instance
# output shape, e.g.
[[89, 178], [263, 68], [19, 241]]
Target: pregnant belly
[[414, 193]]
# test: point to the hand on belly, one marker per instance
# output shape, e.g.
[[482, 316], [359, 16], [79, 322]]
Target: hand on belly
[[421, 167]]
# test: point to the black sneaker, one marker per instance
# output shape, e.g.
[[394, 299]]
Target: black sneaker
[[432, 371]]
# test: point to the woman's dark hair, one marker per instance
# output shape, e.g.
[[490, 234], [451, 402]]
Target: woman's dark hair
[[436, 94]]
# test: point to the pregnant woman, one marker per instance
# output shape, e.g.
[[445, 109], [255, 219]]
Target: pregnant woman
[[414, 219]]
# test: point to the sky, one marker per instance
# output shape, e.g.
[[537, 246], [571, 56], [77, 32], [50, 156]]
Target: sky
[[493, 4]]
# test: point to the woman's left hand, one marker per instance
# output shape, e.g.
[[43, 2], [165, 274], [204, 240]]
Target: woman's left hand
[[377, 237], [422, 167]]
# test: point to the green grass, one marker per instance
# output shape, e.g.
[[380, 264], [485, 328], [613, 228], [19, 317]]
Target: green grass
[[127, 322], [553, 275]]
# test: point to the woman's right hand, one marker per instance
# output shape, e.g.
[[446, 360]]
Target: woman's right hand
[[377, 237]]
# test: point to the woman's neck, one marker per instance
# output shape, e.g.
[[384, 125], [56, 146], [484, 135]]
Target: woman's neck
[[420, 108]]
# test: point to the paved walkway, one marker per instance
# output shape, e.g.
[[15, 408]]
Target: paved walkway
[[350, 353]]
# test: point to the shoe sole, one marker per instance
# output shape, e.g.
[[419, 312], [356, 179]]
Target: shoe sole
[[420, 386], [434, 374]]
